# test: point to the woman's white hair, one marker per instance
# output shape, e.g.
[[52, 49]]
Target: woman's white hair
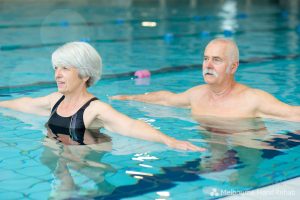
[[82, 56]]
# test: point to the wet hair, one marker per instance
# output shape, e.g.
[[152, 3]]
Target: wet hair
[[232, 48], [82, 56]]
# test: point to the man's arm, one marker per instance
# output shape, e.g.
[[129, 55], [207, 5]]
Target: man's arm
[[165, 98], [124, 125], [270, 107], [38, 106]]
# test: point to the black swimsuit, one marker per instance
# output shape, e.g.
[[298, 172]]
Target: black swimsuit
[[72, 126]]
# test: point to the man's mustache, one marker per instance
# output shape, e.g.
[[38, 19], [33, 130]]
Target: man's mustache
[[210, 72]]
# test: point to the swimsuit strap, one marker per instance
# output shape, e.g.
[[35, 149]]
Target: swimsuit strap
[[88, 103], [57, 104], [77, 121]]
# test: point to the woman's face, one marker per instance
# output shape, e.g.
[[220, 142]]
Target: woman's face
[[68, 80]]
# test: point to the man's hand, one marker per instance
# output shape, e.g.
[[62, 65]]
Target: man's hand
[[121, 97]]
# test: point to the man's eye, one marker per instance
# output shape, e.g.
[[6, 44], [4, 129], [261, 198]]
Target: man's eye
[[218, 60]]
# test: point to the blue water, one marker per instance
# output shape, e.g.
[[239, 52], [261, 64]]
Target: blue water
[[242, 154]]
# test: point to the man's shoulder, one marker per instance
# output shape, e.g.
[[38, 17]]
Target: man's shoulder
[[196, 92], [197, 89], [244, 89], [252, 92]]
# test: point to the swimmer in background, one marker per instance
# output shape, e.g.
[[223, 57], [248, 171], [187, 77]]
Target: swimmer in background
[[222, 96], [75, 114]]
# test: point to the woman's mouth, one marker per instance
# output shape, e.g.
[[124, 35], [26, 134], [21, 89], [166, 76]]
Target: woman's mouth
[[60, 84]]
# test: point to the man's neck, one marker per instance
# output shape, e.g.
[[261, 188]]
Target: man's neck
[[220, 91]]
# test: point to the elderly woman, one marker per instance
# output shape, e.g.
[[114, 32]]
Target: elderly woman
[[75, 113]]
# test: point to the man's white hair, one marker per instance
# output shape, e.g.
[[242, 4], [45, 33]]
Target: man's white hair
[[232, 48], [82, 56]]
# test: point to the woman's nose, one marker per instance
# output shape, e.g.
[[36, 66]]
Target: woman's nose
[[58, 72]]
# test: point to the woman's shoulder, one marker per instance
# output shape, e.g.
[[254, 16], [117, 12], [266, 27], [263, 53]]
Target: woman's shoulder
[[54, 97], [98, 105]]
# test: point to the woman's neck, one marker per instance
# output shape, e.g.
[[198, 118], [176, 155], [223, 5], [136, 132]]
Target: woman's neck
[[76, 99]]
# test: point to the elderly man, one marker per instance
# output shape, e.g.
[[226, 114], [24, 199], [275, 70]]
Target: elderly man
[[222, 96]]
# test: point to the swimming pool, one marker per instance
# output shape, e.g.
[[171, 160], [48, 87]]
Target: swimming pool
[[242, 154]]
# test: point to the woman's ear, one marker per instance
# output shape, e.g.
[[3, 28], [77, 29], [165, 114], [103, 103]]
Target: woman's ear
[[86, 79]]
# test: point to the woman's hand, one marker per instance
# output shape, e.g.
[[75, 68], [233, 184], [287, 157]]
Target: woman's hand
[[183, 145]]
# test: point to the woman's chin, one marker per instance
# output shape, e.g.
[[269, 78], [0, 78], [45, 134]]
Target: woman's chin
[[61, 90]]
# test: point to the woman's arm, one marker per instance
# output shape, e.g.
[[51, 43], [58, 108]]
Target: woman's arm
[[122, 124], [38, 106]]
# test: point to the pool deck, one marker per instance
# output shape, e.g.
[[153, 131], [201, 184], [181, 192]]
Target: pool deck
[[285, 190]]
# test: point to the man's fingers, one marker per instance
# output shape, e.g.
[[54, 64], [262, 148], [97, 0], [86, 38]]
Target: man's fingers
[[118, 97]]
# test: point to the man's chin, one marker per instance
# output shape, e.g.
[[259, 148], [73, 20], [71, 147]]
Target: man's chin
[[209, 81]]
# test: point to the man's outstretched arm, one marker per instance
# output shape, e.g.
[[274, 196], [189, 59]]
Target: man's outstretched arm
[[270, 107], [165, 98]]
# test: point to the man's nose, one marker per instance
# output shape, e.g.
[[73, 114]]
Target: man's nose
[[208, 64]]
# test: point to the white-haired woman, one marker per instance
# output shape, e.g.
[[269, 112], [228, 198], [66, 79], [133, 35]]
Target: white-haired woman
[[75, 113]]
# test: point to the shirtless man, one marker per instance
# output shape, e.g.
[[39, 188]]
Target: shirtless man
[[222, 96]]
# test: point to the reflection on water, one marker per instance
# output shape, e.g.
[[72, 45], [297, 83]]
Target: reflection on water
[[77, 169], [246, 132], [238, 147]]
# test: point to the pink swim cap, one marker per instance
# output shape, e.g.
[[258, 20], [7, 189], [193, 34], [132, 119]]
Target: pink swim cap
[[142, 73]]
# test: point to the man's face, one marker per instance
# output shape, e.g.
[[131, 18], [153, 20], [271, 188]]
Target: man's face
[[216, 63]]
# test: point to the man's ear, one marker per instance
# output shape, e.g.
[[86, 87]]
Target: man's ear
[[234, 67]]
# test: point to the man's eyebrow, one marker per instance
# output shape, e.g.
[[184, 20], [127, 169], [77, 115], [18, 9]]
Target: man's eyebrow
[[217, 57]]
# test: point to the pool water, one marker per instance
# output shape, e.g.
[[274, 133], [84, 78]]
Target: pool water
[[242, 154]]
